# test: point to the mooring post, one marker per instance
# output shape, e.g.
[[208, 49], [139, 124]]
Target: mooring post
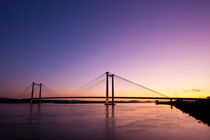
[[107, 88], [40, 92], [112, 89], [32, 93]]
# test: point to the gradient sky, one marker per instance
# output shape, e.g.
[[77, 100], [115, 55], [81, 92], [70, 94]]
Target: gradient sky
[[162, 44]]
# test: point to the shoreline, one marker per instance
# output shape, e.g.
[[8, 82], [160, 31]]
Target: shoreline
[[199, 109]]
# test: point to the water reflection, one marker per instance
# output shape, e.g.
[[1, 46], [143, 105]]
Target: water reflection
[[110, 122], [96, 121], [108, 107], [34, 114]]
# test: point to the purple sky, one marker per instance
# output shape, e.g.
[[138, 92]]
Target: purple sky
[[162, 44]]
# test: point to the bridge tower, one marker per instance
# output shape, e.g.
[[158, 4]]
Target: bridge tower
[[107, 89], [112, 89], [32, 92], [40, 92]]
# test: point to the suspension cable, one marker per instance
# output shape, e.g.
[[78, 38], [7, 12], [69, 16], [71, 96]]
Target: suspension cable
[[141, 86]]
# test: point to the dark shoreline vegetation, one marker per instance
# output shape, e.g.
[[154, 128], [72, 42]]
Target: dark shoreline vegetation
[[199, 109]]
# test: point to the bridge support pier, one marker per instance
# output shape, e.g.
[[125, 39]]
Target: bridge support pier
[[171, 103], [107, 89]]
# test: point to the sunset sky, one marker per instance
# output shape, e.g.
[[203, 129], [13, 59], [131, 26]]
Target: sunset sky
[[161, 44]]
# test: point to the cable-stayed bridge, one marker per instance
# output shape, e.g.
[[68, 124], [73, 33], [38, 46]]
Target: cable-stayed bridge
[[99, 88]]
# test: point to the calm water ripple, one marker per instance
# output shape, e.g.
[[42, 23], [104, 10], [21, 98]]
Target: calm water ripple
[[97, 121]]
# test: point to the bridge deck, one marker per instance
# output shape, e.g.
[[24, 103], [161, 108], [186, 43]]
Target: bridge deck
[[99, 97]]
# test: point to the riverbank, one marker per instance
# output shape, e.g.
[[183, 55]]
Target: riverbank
[[199, 109]]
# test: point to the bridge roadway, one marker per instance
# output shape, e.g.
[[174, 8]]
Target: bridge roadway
[[101, 97]]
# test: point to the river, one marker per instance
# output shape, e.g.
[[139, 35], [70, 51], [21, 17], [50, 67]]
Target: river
[[131, 121]]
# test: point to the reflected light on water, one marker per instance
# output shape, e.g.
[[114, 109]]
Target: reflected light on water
[[97, 121]]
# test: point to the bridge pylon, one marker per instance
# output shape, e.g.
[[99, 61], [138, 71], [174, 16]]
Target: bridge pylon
[[32, 91], [107, 89]]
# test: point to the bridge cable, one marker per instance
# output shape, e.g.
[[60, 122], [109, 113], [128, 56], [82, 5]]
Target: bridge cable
[[88, 87], [141, 86], [24, 91], [88, 84], [50, 90]]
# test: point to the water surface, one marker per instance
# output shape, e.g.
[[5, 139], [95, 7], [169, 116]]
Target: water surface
[[96, 121]]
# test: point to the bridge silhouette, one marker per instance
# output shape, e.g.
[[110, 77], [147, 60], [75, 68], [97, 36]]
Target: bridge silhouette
[[156, 95]]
